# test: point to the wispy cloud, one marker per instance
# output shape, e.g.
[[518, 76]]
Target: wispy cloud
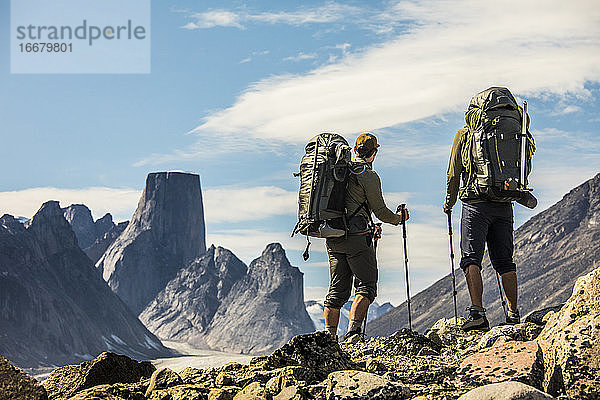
[[247, 204], [101, 200], [553, 48], [213, 18], [301, 57], [328, 13], [221, 204], [247, 244]]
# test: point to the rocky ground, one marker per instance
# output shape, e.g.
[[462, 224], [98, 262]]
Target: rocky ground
[[554, 354]]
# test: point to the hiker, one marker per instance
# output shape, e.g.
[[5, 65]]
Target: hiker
[[487, 213], [352, 256]]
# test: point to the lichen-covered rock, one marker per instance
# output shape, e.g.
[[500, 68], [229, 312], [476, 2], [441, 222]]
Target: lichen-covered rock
[[223, 393], [289, 376], [163, 378], [505, 391], [570, 343], [511, 361], [521, 332], [17, 385], [254, 391], [538, 317], [117, 391], [293, 393], [357, 385], [316, 351], [181, 392], [107, 368]]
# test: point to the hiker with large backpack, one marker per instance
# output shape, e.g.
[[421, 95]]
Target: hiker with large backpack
[[336, 199], [493, 155]]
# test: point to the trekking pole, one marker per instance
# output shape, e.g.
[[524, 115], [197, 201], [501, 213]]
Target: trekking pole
[[401, 208], [452, 265], [523, 146], [364, 332], [501, 296]]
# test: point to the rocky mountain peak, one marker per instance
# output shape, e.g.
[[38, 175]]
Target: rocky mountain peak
[[52, 230], [262, 310], [164, 235], [10, 224], [185, 307]]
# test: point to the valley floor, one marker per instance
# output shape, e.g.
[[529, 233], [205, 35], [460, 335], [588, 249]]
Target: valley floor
[[197, 358]]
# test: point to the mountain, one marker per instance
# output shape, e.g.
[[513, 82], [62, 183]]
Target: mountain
[[552, 249], [165, 234], [93, 237], [186, 306], [316, 308], [262, 310], [54, 306]]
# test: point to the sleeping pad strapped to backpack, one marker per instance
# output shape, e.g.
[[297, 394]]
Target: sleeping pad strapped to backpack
[[491, 154], [323, 180]]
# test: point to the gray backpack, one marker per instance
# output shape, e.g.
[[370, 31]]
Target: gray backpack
[[492, 153], [323, 179]]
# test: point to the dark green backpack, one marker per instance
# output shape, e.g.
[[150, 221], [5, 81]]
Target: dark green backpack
[[492, 152], [323, 179]]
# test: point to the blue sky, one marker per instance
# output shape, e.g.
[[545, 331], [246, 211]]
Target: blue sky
[[237, 88]]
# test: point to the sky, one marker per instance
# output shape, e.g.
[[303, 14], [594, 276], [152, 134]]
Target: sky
[[236, 89]]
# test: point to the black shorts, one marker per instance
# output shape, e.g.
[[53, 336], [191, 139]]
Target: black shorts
[[351, 258], [491, 223]]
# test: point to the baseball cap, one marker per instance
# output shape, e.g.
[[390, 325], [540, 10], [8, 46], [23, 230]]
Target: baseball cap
[[366, 143]]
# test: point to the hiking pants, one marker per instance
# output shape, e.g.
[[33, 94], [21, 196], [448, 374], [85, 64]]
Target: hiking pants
[[491, 223], [351, 258]]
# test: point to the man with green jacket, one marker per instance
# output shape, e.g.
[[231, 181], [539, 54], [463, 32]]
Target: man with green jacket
[[352, 257], [482, 221]]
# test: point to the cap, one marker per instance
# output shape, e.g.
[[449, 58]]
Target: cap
[[365, 144]]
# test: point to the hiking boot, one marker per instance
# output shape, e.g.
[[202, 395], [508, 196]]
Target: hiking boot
[[476, 320], [352, 336], [513, 317]]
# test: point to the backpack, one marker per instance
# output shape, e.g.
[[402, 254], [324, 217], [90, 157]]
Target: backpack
[[491, 154], [324, 171]]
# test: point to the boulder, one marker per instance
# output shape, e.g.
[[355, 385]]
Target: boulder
[[317, 351], [358, 385], [117, 391], [570, 343], [539, 316], [510, 361], [17, 385], [107, 368], [163, 378], [505, 391], [223, 393], [181, 392], [254, 391], [521, 332], [289, 376]]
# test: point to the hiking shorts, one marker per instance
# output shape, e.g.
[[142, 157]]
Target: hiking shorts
[[351, 258], [491, 223]]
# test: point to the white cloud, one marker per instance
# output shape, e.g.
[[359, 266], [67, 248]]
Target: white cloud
[[121, 203], [248, 244], [221, 204], [450, 52], [231, 204], [328, 13], [301, 57], [568, 110], [213, 18]]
